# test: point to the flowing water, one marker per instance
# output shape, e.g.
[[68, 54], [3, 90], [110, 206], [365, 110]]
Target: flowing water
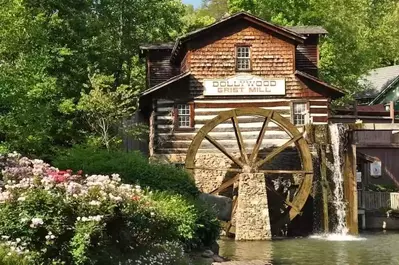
[[338, 193], [372, 249]]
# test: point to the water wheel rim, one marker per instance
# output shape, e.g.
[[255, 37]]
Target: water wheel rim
[[304, 189]]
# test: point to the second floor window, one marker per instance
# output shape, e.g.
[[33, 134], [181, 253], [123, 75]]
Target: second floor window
[[243, 58], [183, 116], [299, 113]]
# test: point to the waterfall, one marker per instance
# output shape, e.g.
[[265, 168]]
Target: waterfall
[[338, 194]]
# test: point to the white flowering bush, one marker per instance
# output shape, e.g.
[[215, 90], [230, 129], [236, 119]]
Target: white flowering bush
[[59, 217]]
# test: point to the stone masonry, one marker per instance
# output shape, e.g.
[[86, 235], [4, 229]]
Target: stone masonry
[[252, 216]]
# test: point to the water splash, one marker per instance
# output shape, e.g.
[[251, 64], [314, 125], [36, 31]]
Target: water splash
[[337, 237], [338, 193]]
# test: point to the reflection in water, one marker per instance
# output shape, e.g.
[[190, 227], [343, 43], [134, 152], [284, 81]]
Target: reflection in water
[[380, 249]]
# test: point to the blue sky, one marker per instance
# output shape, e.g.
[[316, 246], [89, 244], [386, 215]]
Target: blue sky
[[195, 3]]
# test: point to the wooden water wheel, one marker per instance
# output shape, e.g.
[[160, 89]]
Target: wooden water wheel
[[253, 161]]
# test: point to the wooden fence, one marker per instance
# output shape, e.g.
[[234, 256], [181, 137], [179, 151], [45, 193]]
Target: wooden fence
[[371, 200], [367, 114]]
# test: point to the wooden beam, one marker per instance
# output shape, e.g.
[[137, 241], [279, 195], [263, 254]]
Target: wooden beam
[[226, 184], [392, 111], [350, 189], [324, 186]]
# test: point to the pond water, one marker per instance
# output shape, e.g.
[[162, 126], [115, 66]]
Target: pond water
[[371, 248]]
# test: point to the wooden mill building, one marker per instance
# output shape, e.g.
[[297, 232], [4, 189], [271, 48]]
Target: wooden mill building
[[240, 61], [269, 73]]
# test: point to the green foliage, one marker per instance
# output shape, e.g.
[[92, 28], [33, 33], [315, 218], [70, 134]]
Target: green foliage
[[106, 107], [9, 258], [133, 168], [382, 188], [57, 217], [196, 223], [48, 50], [215, 8], [195, 19]]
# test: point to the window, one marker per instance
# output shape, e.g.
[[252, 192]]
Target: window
[[299, 113], [243, 60], [183, 116]]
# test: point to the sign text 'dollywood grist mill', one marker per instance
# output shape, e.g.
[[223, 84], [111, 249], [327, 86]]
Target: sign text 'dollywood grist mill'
[[244, 85]]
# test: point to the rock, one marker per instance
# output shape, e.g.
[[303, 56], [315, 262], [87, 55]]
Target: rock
[[217, 258], [207, 254], [221, 204], [215, 248]]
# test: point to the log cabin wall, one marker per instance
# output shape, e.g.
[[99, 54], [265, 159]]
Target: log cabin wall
[[172, 143]]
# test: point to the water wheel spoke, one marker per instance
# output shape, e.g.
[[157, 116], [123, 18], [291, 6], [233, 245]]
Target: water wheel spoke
[[238, 170], [278, 171], [240, 141], [278, 150], [255, 151], [233, 211], [226, 184], [284, 200], [223, 150]]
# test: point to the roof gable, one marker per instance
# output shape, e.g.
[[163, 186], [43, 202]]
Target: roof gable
[[180, 44], [320, 86], [394, 84]]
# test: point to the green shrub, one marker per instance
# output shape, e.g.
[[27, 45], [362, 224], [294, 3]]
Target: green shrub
[[382, 188], [57, 217], [133, 168], [197, 225], [11, 258]]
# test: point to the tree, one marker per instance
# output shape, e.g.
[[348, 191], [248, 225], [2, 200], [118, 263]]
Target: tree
[[48, 49], [105, 107], [29, 95], [195, 19], [214, 8]]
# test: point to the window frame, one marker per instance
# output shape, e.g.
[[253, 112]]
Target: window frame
[[243, 45], [191, 116], [305, 115]]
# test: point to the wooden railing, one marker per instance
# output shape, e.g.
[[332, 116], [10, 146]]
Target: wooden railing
[[352, 114], [371, 200]]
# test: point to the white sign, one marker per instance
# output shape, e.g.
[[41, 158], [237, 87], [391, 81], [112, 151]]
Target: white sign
[[358, 176], [375, 169], [244, 85]]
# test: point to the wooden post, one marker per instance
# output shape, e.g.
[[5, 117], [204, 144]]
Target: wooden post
[[392, 111], [151, 145], [350, 190], [355, 109], [324, 186]]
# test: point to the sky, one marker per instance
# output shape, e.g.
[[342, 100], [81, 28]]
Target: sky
[[195, 3]]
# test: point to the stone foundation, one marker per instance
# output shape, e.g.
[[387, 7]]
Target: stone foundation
[[252, 215]]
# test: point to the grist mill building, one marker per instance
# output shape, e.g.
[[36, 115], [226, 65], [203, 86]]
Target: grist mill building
[[269, 73]]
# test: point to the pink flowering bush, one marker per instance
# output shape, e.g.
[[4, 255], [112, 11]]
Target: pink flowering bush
[[61, 217]]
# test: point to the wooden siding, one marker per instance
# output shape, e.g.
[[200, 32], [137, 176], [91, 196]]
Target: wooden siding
[[307, 55], [214, 57], [159, 67], [370, 200], [388, 155], [170, 140], [372, 137], [307, 58]]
